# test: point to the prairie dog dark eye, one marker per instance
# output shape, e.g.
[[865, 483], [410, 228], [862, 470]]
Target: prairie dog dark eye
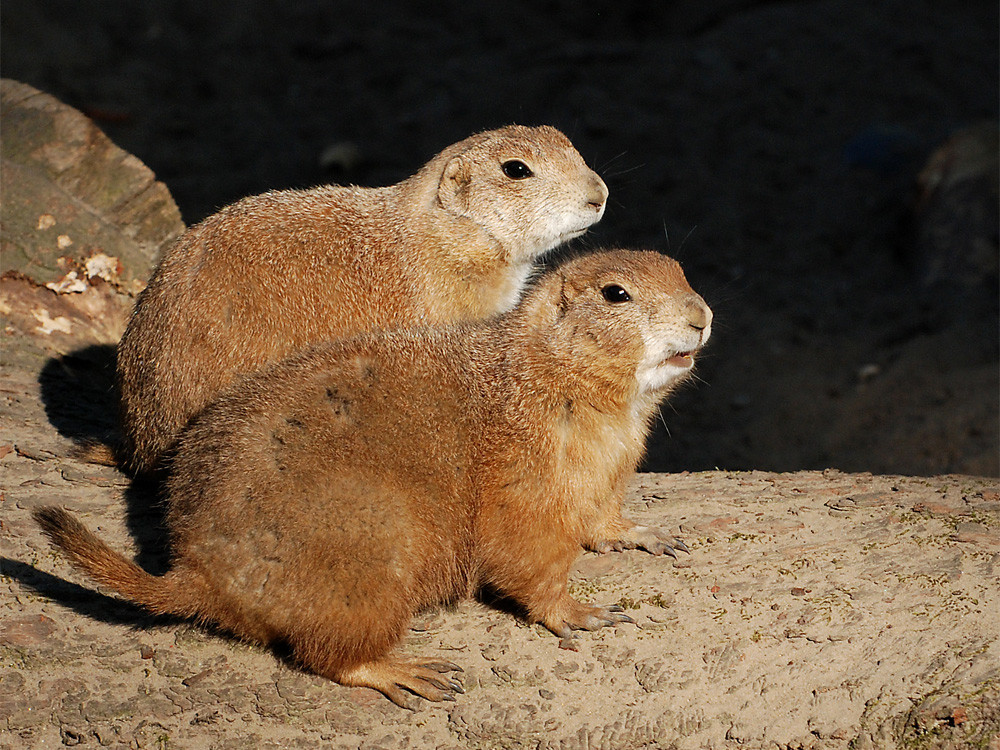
[[516, 170], [615, 293]]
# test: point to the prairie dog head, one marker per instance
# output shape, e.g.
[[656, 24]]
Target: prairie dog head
[[625, 317], [526, 187]]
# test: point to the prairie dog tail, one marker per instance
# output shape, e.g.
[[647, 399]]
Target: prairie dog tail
[[97, 453], [168, 594]]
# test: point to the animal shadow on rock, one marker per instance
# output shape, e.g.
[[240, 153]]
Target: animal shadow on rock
[[81, 599], [79, 395], [81, 401], [111, 610]]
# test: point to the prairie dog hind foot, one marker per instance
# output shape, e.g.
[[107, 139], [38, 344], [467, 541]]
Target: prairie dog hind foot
[[654, 540], [619, 533], [572, 615], [395, 677]]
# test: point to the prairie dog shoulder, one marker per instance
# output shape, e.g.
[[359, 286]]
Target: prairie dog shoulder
[[276, 272]]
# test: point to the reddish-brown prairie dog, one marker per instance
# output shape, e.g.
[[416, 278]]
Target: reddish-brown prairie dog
[[276, 272], [323, 501]]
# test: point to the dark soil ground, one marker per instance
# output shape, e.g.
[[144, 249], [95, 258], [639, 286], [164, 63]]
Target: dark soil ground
[[773, 147]]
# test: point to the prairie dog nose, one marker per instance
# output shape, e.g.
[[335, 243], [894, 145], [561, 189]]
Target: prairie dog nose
[[699, 316], [597, 193]]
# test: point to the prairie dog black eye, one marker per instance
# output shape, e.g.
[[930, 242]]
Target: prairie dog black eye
[[615, 293], [516, 170]]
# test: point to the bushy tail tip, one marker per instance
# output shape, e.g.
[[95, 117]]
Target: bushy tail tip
[[160, 594]]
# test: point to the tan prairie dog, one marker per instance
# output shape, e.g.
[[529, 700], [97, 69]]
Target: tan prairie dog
[[276, 272], [324, 501]]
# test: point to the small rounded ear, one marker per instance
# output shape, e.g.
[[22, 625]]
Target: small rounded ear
[[453, 190], [568, 291], [564, 299]]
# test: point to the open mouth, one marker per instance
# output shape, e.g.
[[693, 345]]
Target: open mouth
[[681, 359]]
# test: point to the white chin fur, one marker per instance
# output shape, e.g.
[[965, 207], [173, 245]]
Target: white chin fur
[[573, 225], [553, 241], [659, 377], [656, 371]]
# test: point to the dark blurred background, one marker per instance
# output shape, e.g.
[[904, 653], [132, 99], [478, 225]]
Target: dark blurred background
[[774, 148]]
